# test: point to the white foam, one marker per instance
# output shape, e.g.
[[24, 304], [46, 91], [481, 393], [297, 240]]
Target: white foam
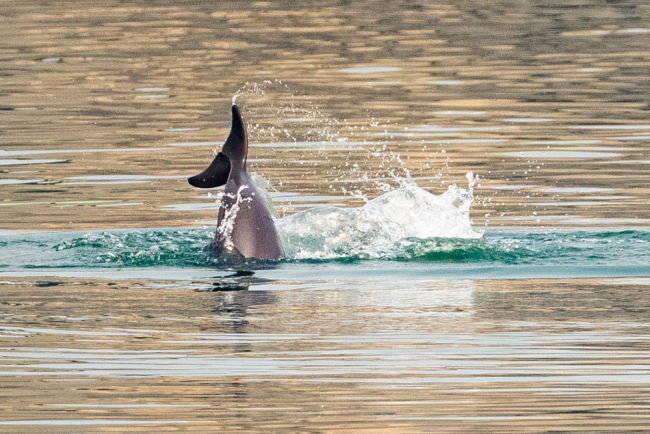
[[375, 229]]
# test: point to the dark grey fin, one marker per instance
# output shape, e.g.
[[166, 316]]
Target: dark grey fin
[[236, 146], [215, 175]]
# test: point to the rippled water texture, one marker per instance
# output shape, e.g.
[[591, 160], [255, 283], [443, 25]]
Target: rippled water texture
[[461, 190]]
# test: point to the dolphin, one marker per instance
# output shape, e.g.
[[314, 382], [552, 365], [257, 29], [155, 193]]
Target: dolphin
[[245, 228]]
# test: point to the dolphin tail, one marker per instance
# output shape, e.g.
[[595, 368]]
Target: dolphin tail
[[233, 154], [236, 146], [215, 175]]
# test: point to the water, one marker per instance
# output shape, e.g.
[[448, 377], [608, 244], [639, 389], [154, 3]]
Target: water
[[461, 191], [180, 255]]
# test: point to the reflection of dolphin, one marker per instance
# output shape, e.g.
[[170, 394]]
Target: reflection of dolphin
[[245, 227]]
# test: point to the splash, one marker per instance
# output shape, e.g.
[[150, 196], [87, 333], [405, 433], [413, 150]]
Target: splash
[[383, 228], [226, 226], [262, 185], [283, 116], [388, 226], [273, 106]]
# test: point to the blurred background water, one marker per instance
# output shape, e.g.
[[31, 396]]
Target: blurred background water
[[415, 296]]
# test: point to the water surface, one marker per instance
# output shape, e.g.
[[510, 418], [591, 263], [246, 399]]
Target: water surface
[[414, 296]]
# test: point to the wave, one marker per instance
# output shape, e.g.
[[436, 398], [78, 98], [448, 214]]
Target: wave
[[140, 248], [186, 247], [407, 224]]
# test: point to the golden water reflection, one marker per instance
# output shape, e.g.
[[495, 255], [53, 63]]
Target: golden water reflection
[[528, 96], [462, 355]]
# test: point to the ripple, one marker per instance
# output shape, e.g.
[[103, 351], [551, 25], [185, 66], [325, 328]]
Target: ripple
[[632, 138], [638, 30], [117, 179], [15, 153], [563, 142], [132, 405], [195, 144], [88, 422], [296, 197], [574, 203], [319, 144], [119, 204], [459, 113], [447, 82], [383, 83], [152, 96], [462, 141], [370, 69], [19, 181], [577, 189], [180, 130], [189, 206], [560, 154], [16, 162], [509, 187], [612, 127], [527, 120]]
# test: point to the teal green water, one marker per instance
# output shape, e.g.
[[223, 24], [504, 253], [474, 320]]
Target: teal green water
[[182, 253]]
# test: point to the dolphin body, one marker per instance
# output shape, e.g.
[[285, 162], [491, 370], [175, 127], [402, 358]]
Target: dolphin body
[[245, 228]]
